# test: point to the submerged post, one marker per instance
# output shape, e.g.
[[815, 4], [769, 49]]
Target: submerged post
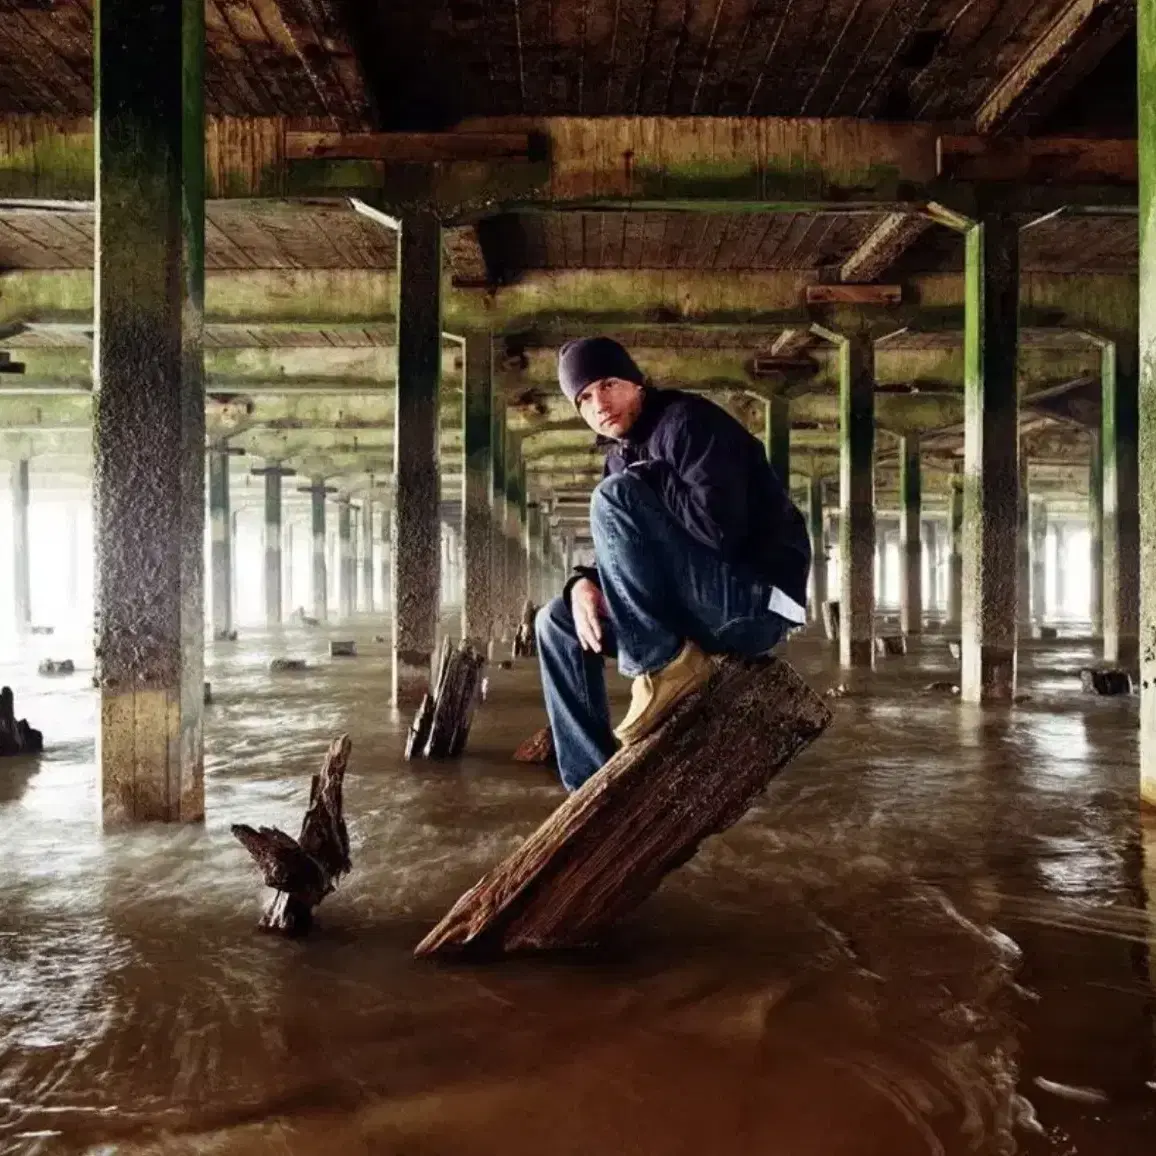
[[149, 413], [320, 571], [21, 559], [477, 429], [346, 574], [910, 539]]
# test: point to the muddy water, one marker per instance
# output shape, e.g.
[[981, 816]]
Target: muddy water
[[932, 937]]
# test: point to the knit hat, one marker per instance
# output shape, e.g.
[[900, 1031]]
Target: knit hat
[[591, 359]]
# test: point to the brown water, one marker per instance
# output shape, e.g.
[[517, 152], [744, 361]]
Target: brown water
[[931, 937]]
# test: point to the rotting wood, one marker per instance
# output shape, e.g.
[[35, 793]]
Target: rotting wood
[[16, 736], [304, 870], [525, 641], [1062, 160], [538, 749], [854, 294], [892, 237], [609, 845], [441, 726]]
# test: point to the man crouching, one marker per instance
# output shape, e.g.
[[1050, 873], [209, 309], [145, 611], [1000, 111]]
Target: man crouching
[[698, 548]]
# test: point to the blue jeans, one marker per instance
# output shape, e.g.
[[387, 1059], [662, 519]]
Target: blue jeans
[[661, 587]]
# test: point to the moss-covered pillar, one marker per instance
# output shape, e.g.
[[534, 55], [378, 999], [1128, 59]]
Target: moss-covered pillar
[[1119, 388], [416, 486], [220, 542], [149, 407], [320, 570], [991, 482], [817, 525], [910, 537], [273, 472], [857, 500], [1039, 536], [777, 436], [346, 573], [500, 609], [477, 485], [1146, 407], [955, 554], [1096, 534], [21, 557]]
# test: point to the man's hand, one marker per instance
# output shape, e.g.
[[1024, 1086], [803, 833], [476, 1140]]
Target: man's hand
[[588, 606]]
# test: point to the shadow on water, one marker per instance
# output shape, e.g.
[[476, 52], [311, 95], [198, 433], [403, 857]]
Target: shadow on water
[[931, 937]]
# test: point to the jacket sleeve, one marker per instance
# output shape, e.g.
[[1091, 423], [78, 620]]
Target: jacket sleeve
[[700, 474]]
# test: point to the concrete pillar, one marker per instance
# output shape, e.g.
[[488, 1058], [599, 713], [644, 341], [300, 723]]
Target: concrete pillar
[[477, 432], [857, 500], [320, 570], [346, 574], [931, 552], [955, 554], [1039, 536], [73, 532], [1060, 584], [273, 472], [386, 561], [366, 602], [818, 547], [221, 545], [991, 460], [149, 409], [516, 573], [416, 487], [777, 436], [1024, 551], [1096, 534], [287, 561], [910, 537], [500, 609], [1119, 387], [882, 585], [21, 555]]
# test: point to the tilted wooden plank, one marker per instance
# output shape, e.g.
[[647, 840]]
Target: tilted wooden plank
[[883, 246]]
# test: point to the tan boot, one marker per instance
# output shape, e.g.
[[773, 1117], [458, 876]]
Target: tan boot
[[655, 695]]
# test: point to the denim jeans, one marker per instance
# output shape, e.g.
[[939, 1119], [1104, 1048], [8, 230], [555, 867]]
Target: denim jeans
[[661, 588]]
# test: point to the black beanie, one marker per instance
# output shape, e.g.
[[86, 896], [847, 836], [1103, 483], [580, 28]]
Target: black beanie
[[593, 359]]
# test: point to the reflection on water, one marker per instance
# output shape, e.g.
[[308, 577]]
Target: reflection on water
[[932, 937]]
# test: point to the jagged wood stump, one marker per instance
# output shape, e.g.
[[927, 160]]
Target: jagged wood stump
[[304, 870], [16, 736], [442, 724], [525, 642], [831, 620], [538, 749], [609, 845]]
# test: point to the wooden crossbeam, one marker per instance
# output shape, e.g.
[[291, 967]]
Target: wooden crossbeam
[[854, 294], [893, 236], [1065, 53], [791, 342], [406, 147], [1062, 160]]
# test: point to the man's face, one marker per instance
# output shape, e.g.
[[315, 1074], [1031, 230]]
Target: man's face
[[610, 406]]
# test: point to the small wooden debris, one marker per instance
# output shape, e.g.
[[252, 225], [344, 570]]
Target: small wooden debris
[[609, 845], [955, 648], [302, 619], [892, 644], [280, 665], [304, 870], [841, 690], [16, 736], [224, 636], [943, 687], [505, 664], [525, 643], [380, 638], [1046, 633], [56, 666], [1105, 681], [47, 630], [207, 697], [346, 648], [442, 724], [831, 620], [538, 749]]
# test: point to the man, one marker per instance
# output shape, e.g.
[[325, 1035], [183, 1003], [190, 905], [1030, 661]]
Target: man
[[699, 550]]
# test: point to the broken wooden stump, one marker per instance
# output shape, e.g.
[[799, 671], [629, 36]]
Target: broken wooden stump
[[442, 724], [525, 641], [955, 648], [46, 630], [50, 666], [1106, 681], [538, 749], [304, 870], [224, 636], [892, 644], [609, 845], [831, 620], [207, 694], [346, 648], [280, 665], [16, 736]]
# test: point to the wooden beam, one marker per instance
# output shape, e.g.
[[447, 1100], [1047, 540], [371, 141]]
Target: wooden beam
[[1063, 160], [791, 342], [854, 294], [406, 147], [467, 260], [895, 234], [1065, 53]]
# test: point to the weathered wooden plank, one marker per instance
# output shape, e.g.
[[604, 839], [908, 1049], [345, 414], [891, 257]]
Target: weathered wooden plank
[[854, 294], [407, 147], [1060, 160], [883, 246], [642, 815]]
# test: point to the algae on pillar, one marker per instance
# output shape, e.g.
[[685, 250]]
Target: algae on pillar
[[416, 486], [991, 480], [477, 431], [149, 408], [21, 558], [910, 540]]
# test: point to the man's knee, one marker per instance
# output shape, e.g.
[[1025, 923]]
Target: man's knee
[[553, 621], [615, 493]]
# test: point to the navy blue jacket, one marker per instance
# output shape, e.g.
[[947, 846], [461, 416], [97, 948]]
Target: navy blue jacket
[[714, 478]]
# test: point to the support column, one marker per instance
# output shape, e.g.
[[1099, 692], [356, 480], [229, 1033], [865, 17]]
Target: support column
[[857, 501], [516, 574], [1096, 534], [366, 603], [386, 561], [777, 437], [931, 551], [320, 570], [273, 472], [21, 558], [221, 542], [1039, 535], [416, 487], [287, 563], [477, 430], [818, 547], [1060, 585], [955, 555], [346, 574], [500, 579], [1024, 551], [910, 537], [149, 409], [1119, 383], [991, 460]]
